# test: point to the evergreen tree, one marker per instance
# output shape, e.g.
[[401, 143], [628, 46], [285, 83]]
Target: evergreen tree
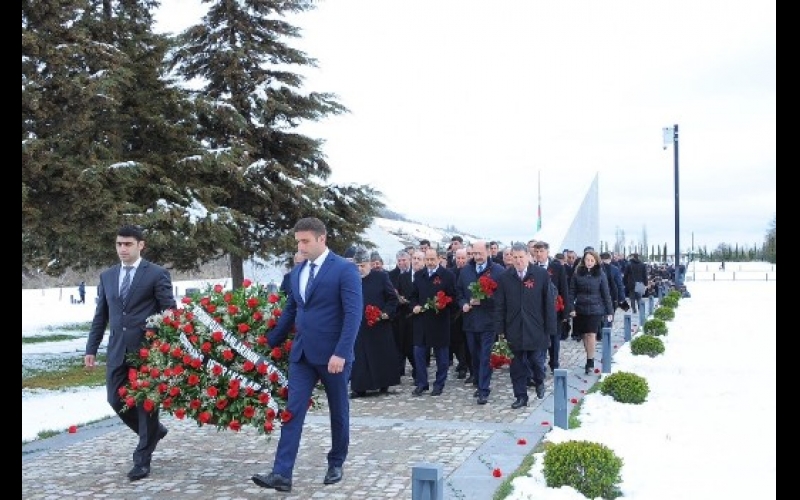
[[258, 174], [67, 85]]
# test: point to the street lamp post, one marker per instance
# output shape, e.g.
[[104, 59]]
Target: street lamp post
[[671, 136]]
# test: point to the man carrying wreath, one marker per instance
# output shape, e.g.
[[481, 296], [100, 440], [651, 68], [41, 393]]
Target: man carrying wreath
[[479, 314]]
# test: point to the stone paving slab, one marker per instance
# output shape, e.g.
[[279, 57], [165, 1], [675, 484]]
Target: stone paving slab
[[390, 433]]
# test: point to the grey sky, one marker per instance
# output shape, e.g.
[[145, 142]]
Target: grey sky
[[457, 105]]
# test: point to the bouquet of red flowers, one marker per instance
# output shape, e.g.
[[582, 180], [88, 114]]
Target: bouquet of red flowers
[[501, 354], [373, 314], [437, 302], [483, 288], [559, 303]]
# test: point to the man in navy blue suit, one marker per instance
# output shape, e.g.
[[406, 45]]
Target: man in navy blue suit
[[129, 293], [325, 306]]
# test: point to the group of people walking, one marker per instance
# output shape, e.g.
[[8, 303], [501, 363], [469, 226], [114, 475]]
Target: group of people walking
[[438, 315], [357, 327]]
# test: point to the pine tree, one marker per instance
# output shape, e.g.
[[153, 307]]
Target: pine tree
[[258, 174]]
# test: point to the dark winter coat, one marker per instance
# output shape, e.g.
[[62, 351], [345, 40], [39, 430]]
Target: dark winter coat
[[524, 309], [375, 365], [590, 293], [432, 328], [481, 317]]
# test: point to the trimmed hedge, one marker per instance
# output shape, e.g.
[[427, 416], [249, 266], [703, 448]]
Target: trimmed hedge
[[647, 345], [625, 387], [655, 326], [591, 468], [665, 313]]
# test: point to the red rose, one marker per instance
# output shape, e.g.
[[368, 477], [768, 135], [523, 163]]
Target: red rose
[[246, 283]]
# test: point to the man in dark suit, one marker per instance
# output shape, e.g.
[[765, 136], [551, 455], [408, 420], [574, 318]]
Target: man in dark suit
[[558, 277], [400, 277], [478, 314], [525, 313], [432, 326], [127, 295], [325, 307]]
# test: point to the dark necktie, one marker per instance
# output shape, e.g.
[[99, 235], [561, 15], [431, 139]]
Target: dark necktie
[[479, 268], [126, 283], [310, 280]]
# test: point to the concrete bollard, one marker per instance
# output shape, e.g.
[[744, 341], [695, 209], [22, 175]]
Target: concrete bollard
[[606, 349], [626, 327], [427, 481], [560, 408]]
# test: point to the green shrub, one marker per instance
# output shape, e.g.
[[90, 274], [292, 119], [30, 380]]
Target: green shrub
[[670, 301], [591, 468], [625, 387], [655, 326], [674, 293], [665, 313], [647, 345]]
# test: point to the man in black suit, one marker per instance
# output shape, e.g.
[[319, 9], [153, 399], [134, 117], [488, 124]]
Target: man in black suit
[[127, 295], [525, 313], [400, 277], [431, 327], [558, 277]]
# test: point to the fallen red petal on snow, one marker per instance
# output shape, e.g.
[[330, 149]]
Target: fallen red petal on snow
[[522, 441], [597, 370], [615, 346], [545, 422], [73, 429], [496, 472], [573, 400]]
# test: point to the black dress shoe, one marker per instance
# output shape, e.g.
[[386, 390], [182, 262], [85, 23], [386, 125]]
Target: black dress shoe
[[437, 391], [334, 475], [482, 400], [531, 383], [519, 403], [418, 391], [477, 393], [162, 432], [138, 472], [540, 391], [357, 394], [384, 390], [274, 481], [470, 380]]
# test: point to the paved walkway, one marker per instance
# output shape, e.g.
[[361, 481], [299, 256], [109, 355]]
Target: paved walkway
[[390, 433]]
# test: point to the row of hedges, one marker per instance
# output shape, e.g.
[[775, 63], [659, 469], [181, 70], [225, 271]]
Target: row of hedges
[[591, 468]]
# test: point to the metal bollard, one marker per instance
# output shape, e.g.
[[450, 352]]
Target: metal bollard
[[642, 314], [606, 349], [560, 409], [626, 327], [427, 482]]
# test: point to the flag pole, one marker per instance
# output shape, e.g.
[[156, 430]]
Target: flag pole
[[539, 209]]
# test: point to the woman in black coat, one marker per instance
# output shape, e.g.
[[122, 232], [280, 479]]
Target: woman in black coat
[[589, 290], [375, 365]]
